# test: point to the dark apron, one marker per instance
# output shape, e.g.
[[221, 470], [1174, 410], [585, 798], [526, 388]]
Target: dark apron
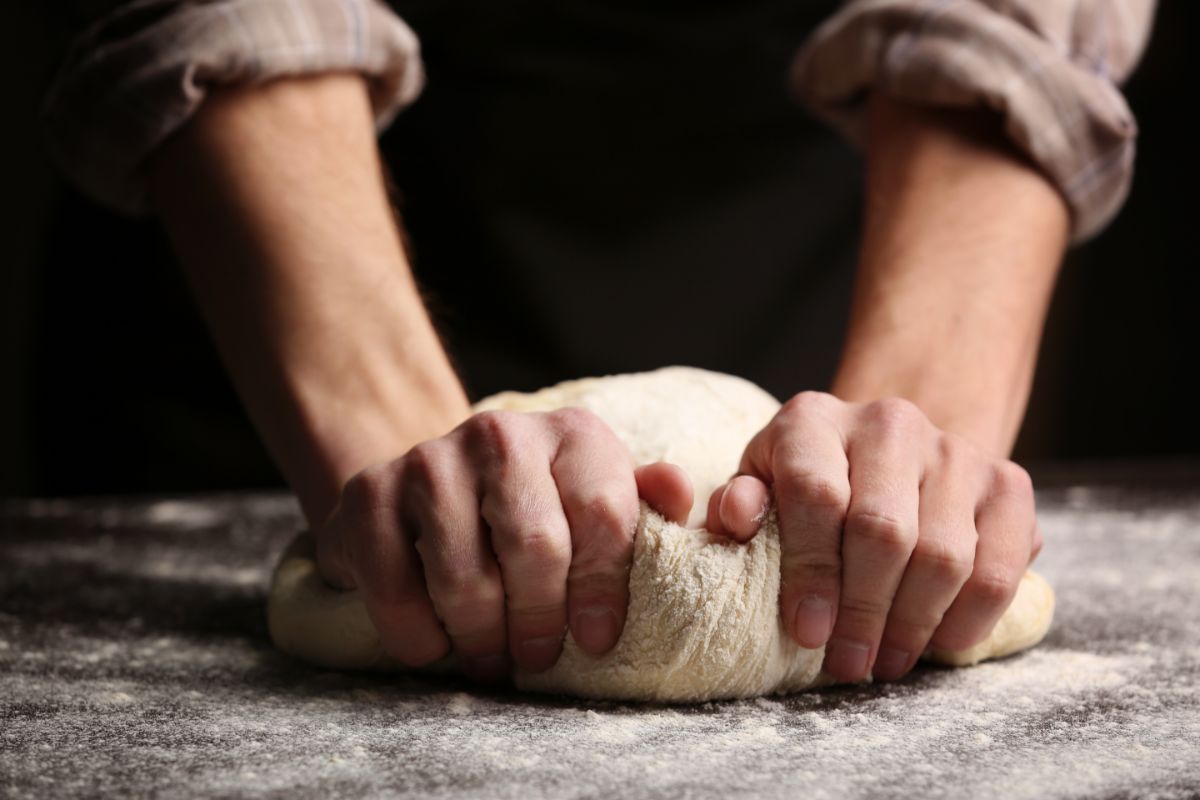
[[600, 187]]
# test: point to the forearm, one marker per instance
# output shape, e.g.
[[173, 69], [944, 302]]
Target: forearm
[[961, 246], [274, 200]]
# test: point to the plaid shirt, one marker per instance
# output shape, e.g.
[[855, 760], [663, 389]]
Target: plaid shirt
[[1050, 67]]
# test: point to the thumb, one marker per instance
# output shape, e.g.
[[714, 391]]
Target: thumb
[[667, 488], [736, 509]]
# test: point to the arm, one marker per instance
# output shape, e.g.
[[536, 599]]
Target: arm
[[962, 242], [274, 200]]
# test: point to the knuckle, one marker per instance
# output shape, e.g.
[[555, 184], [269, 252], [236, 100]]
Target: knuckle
[[421, 464], [457, 592], [597, 580], [368, 491], [428, 476], [954, 452], [894, 415], [579, 421], [858, 609], [605, 521], [544, 547], [1012, 479], [815, 490], [537, 614], [805, 405], [992, 588], [809, 569], [881, 529], [944, 561], [914, 624], [495, 433]]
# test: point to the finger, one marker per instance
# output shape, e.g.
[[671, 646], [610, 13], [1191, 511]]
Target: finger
[[667, 488], [802, 456], [594, 474], [364, 544], [880, 532], [1038, 542], [940, 564], [739, 507], [712, 515], [1005, 520], [441, 502], [744, 506], [533, 544]]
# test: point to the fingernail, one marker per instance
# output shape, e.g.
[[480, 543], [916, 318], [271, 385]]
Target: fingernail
[[846, 659], [812, 620], [890, 664], [540, 653], [488, 668], [595, 628]]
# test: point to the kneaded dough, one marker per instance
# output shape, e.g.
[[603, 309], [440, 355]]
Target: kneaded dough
[[703, 620]]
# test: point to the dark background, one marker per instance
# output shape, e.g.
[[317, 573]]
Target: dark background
[[1114, 380]]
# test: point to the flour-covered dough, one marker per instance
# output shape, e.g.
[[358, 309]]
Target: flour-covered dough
[[703, 620]]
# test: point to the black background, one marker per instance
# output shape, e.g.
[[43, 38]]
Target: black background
[[89, 299]]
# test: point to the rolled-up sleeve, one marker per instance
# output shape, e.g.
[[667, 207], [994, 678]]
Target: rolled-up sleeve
[[142, 70], [1051, 68]]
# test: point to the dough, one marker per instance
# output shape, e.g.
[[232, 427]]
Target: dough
[[703, 620]]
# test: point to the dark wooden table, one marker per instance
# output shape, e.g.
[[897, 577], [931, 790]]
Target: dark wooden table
[[134, 662]]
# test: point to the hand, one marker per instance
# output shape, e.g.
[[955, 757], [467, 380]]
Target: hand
[[490, 539], [895, 535]]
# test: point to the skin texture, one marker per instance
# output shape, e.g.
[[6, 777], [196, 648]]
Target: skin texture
[[490, 535]]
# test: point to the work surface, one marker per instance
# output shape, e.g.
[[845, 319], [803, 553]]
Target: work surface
[[134, 662]]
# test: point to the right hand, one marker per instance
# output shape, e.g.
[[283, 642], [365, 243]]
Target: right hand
[[490, 540]]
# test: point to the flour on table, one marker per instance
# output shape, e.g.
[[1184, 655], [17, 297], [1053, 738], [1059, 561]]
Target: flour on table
[[703, 619]]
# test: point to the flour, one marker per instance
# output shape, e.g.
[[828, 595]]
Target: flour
[[1047, 723], [1108, 706]]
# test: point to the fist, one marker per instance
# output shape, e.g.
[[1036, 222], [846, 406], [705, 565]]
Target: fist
[[490, 541], [895, 535]]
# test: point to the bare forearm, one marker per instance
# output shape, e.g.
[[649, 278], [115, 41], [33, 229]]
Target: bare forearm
[[274, 200], [961, 247]]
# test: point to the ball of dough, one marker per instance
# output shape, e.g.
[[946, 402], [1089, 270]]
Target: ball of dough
[[703, 618]]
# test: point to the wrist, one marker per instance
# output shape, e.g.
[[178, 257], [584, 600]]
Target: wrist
[[984, 409], [392, 388]]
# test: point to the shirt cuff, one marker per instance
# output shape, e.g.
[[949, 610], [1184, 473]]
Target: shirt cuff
[[141, 72], [1071, 120]]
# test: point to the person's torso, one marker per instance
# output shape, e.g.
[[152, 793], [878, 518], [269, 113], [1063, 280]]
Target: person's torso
[[597, 186]]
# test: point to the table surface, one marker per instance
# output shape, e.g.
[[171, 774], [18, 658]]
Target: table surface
[[134, 661]]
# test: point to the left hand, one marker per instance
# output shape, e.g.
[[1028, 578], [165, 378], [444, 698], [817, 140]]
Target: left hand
[[895, 535]]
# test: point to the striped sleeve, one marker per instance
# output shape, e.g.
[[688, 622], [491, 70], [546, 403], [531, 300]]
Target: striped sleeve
[[1051, 68], [141, 71]]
